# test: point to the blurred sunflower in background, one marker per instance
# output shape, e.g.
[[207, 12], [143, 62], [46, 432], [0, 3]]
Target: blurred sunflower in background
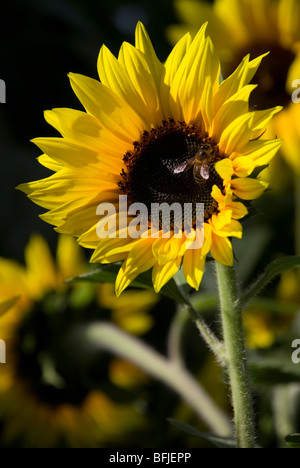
[[142, 123], [21, 287], [47, 398], [240, 27], [267, 322]]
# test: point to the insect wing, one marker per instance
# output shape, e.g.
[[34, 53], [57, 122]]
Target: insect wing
[[204, 171], [181, 168], [185, 166]]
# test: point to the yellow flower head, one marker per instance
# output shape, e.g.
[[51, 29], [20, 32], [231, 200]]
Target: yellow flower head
[[156, 133], [22, 285], [41, 406]]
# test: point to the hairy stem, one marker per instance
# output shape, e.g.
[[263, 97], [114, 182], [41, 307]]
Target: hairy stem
[[233, 333], [215, 345]]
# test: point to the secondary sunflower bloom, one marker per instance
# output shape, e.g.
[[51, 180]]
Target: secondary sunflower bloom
[[264, 325], [42, 404], [287, 124], [142, 121], [238, 27], [22, 286]]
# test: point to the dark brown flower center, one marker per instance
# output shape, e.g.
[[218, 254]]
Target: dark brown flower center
[[271, 76], [173, 163]]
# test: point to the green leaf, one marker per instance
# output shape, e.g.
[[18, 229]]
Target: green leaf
[[275, 268], [108, 274], [293, 440], [6, 305], [217, 441]]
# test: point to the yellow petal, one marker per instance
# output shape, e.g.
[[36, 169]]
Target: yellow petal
[[243, 166], [237, 104], [248, 189], [144, 44], [139, 260], [289, 20], [14, 277], [216, 192], [231, 229], [41, 269], [76, 125], [221, 250], [130, 310], [261, 119], [161, 274], [206, 107], [69, 257], [49, 163], [113, 75], [167, 250], [238, 79], [112, 250], [8, 304], [239, 210], [260, 151], [225, 169], [287, 125], [219, 220], [171, 66], [237, 134], [66, 152], [110, 110], [76, 220], [193, 267], [207, 239], [199, 62], [137, 70]]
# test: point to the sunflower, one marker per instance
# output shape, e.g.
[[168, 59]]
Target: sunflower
[[22, 286], [43, 403], [142, 122]]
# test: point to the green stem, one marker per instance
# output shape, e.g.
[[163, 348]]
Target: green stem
[[110, 338], [175, 336], [234, 340], [215, 345]]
